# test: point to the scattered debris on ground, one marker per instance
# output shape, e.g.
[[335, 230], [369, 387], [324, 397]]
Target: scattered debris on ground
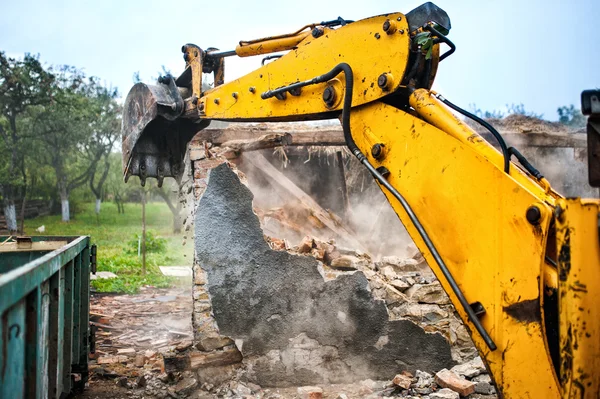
[[144, 345]]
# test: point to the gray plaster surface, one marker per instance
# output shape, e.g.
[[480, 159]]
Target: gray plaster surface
[[293, 326]]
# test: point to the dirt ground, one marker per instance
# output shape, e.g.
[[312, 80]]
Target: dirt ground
[[132, 332]]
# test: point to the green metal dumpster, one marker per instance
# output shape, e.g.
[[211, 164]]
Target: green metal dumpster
[[44, 315]]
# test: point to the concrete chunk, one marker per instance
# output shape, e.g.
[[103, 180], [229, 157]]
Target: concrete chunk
[[428, 293], [470, 369], [444, 394]]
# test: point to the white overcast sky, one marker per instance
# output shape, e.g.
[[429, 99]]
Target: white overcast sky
[[535, 52]]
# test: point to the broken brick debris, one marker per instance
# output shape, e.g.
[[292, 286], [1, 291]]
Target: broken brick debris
[[310, 392], [449, 379], [403, 381]]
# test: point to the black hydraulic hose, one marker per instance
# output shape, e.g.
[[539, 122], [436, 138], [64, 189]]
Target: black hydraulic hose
[[414, 69], [349, 77], [427, 72], [499, 138], [413, 217], [444, 39], [343, 67], [525, 163]]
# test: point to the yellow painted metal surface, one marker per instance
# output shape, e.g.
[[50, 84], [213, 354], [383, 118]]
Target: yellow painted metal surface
[[362, 44], [436, 113], [475, 215], [193, 55], [578, 244], [270, 45]]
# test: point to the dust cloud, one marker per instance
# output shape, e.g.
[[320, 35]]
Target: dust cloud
[[370, 218]]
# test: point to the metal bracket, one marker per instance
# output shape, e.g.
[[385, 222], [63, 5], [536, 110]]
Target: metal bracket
[[590, 105], [478, 309], [93, 263], [590, 102], [593, 141]]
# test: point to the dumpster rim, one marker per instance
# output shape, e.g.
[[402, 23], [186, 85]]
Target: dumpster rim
[[51, 259]]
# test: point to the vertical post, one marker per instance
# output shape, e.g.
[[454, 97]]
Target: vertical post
[[44, 341], [67, 326], [344, 187], [84, 312], [76, 308], [12, 379], [143, 231], [55, 371], [32, 347]]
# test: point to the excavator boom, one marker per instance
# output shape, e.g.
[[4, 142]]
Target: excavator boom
[[520, 263]]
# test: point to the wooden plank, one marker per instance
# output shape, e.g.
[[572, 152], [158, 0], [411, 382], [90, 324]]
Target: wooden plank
[[35, 246], [279, 180], [324, 137], [331, 136], [259, 143]]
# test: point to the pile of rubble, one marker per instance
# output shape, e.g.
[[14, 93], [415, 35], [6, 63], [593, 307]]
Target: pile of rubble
[[155, 378], [407, 285], [266, 318]]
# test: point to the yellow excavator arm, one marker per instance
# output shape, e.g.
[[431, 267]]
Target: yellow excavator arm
[[520, 263]]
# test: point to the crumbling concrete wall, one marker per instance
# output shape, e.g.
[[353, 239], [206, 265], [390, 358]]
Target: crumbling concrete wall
[[283, 319], [291, 325]]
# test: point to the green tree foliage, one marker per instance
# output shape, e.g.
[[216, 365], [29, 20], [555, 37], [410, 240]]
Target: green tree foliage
[[64, 128], [24, 84], [571, 116], [57, 127]]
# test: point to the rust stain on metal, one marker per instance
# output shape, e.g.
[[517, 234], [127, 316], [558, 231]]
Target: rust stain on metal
[[564, 257], [579, 287], [527, 311], [475, 138], [566, 357]]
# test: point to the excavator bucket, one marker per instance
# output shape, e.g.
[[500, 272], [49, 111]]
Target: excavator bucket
[[154, 135]]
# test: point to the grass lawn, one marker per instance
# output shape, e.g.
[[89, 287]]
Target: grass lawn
[[116, 237]]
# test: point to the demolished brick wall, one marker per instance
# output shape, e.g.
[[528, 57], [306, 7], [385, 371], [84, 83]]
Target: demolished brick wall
[[292, 326], [290, 359], [408, 291]]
